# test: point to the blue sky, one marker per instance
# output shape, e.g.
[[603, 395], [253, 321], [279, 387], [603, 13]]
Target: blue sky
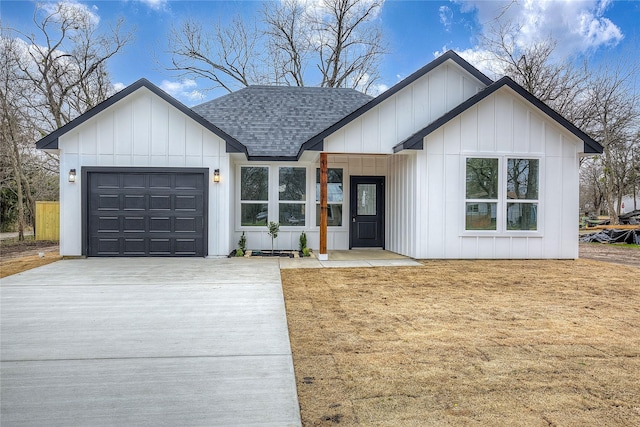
[[415, 31]]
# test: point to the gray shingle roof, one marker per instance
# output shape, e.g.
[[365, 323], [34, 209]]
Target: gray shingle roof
[[274, 121]]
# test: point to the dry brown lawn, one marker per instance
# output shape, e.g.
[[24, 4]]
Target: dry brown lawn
[[16, 257], [467, 343]]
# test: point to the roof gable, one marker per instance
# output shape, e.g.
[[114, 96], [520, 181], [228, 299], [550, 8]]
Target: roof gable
[[50, 142], [315, 143], [415, 141]]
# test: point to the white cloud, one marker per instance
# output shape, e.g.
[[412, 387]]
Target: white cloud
[[319, 7], [72, 10], [155, 4], [446, 15], [483, 60], [184, 90], [578, 26], [118, 86], [377, 89]]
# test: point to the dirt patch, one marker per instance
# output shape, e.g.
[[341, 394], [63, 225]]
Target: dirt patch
[[615, 253], [21, 256], [467, 342]]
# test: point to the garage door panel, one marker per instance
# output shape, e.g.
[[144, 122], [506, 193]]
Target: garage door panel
[[106, 180], [133, 180], [188, 182], [135, 202], [108, 202], [108, 224], [135, 224], [148, 213], [189, 225], [160, 246], [158, 203], [186, 203], [186, 246], [107, 246], [160, 224], [134, 247], [160, 181]]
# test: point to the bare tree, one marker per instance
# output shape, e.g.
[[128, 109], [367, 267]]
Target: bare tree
[[227, 56], [616, 125], [47, 79], [349, 47], [592, 193], [68, 73], [294, 42], [288, 40], [558, 82], [12, 130], [604, 103]]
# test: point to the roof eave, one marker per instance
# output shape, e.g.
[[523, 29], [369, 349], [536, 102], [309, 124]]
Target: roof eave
[[51, 141], [415, 141]]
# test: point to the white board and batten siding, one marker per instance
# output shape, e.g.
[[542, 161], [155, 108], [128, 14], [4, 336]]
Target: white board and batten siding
[[412, 108], [142, 130], [401, 222], [502, 125]]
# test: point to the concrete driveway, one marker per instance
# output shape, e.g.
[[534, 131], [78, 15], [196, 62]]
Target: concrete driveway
[[161, 341]]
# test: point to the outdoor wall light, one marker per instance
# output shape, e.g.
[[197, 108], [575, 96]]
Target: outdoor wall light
[[72, 175], [216, 175]]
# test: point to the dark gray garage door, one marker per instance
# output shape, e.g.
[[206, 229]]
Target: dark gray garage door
[[146, 212]]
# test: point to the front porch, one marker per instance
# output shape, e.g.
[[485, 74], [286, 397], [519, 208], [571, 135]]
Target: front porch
[[352, 258]]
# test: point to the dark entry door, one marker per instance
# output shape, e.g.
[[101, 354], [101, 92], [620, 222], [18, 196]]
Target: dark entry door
[[367, 212], [146, 212]]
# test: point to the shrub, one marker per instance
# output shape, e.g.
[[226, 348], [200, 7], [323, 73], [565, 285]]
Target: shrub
[[274, 228], [242, 243], [239, 253], [303, 241]]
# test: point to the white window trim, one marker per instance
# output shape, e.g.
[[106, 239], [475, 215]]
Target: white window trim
[[501, 222], [273, 204]]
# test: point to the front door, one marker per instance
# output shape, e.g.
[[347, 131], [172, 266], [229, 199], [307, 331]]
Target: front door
[[367, 212]]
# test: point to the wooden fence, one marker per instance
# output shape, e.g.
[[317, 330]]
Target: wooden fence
[[47, 220]]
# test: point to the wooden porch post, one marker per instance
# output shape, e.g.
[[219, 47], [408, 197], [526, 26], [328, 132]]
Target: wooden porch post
[[323, 256]]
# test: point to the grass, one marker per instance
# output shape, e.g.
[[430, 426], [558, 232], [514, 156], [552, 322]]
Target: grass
[[467, 343]]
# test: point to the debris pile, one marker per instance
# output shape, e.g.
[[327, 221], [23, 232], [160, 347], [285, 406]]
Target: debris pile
[[613, 236]]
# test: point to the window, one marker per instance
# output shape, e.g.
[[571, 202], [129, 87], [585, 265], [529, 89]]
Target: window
[[254, 196], [292, 189], [481, 194], [494, 202], [334, 197], [522, 194]]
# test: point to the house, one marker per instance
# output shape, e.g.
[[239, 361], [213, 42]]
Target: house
[[445, 164]]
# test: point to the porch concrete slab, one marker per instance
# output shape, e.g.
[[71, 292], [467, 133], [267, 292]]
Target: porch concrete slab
[[286, 263], [146, 342], [407, 262], [345, 264], [357, 258]]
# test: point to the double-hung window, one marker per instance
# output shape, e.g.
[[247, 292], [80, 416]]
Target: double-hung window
[[335, 190], [254, 195], [481, 194], [501, 194], [522, 194], [292, 190]]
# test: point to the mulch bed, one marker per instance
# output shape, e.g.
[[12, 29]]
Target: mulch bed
[[268, 254]]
